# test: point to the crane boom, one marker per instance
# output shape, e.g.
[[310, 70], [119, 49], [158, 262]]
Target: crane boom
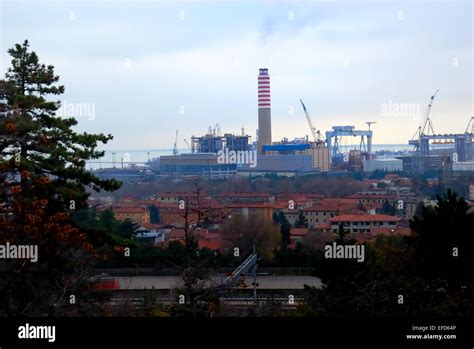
[[471, 122], [314, 132], [175, 148], [427, 119], [187, 144]]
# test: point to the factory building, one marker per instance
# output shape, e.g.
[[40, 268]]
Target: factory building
[[463, 166], [282, 165], [264, 110], [204, 164], [212, 143], [355, 160], [216, 155], [388, 165], [318, 154], [417, 164]]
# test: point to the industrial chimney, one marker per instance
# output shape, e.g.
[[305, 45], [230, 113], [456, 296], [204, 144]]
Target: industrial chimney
[[264, 110]]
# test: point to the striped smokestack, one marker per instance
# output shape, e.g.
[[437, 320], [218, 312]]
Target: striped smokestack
[[264, 110]]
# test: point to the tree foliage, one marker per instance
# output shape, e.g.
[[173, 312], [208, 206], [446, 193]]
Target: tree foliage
[[301, 221], [444, 241], [43, 178]]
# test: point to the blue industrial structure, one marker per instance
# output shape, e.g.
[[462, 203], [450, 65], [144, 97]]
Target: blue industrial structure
[[340, 131], [289, 147]]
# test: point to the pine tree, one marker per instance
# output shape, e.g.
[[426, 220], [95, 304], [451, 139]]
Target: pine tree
[[285, 229], [43, 179], [301, 222], [443, 240]]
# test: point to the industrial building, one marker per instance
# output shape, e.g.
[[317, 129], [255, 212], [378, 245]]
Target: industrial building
[[388, 165], [455, 147], [213, 142], [203, 164], [463, 166], [289, 158], [282, 165], [318, 153]]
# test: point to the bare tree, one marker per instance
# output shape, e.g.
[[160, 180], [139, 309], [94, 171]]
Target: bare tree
[[245, 233]]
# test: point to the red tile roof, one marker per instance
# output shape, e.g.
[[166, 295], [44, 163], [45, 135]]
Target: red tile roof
[[131, 209], [212, 244], [364, 218], [323, 207], [251, 205], [372, 196], [244, 194], [177, 194], [177, 234], [151, 225]]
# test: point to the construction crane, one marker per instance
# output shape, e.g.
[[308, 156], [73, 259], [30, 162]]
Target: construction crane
[[427, 121], [316, 134], [470, 126], [470, 129], [416, 139], [175, 148], [217, 130]]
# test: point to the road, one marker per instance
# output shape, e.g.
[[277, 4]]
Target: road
[[265, 282]]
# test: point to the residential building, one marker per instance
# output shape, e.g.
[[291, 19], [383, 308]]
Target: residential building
[[135, 214], [363, 223]]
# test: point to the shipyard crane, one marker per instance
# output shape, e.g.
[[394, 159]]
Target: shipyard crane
[[316, 134], [426, 120], [416, 139], [217, 130], [470, 126], [175, 148]]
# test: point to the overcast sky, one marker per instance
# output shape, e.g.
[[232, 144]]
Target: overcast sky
[[138, 62]]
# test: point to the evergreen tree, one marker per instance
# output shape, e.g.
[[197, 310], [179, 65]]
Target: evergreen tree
[[301, 222], [443, 240], [388, 208], [43, 179], [285, 229]]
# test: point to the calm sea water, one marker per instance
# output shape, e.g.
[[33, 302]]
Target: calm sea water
[[142, 156]]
